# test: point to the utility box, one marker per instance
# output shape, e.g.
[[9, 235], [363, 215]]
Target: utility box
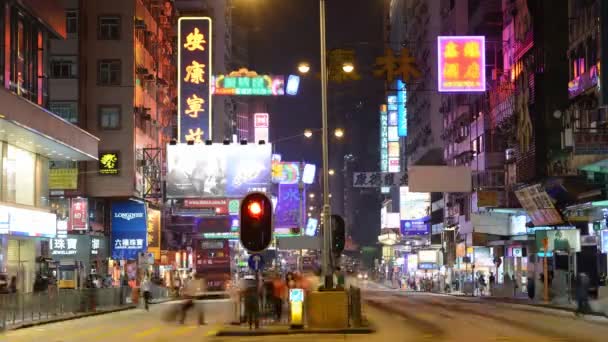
[[327, 309]]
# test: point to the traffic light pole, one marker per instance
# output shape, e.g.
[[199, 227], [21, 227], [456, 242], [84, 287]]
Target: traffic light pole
[[326, 266]]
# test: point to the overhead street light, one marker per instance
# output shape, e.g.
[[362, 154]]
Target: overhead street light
[[308, 133], [311, 195], [331, 172], [303, 67], [348, 67], [339, 133]]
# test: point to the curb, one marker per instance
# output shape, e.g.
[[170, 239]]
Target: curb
[[68, 318], [545, 306], [289, 331]]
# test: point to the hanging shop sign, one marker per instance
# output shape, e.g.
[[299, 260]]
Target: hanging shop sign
[[401, 108], [461, 64], [383, 139], [79, 213], [154, 231], [246, 82], [63, 179], [193, 75], [378, 179]]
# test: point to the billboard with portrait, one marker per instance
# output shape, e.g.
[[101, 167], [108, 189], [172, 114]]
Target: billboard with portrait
[[200, 171]]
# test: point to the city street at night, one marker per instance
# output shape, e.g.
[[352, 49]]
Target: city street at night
[[396, 316]]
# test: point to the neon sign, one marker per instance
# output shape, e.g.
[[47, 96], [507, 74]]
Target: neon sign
[[461, 64], [401, 109], [383, 139], [193, 72], [245, 82]]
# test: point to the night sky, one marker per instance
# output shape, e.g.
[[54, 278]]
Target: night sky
[[286, 32]]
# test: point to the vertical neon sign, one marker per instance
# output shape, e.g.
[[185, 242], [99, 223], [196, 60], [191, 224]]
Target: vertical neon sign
[[383, 139], [401, 109], [194, 117]]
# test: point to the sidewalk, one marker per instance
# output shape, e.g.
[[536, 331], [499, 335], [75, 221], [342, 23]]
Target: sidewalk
[[600, 308]]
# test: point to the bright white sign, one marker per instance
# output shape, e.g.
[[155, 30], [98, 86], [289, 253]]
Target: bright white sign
[[27, 222]]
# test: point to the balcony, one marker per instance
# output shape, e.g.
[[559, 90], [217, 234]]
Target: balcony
[[502, 102], [488, 160], [590, 141]]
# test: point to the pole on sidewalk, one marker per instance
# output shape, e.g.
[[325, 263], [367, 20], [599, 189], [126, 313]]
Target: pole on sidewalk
[[546, 271]]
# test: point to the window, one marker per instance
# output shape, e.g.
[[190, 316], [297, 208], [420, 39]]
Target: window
[[109, 28], [108, 72], [64, 67], [67, 110], [109, 117], [71, 22]]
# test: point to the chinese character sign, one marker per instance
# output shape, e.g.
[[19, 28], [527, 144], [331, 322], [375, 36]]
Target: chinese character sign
[[383, 139], [289, 206], [401, 108], [194, 71], [79, 214], [378, 179], [246, 82], [461, 64]]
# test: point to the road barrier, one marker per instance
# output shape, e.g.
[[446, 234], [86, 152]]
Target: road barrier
[[24, 308]]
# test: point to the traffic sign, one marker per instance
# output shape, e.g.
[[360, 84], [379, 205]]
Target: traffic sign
[[256, 262]]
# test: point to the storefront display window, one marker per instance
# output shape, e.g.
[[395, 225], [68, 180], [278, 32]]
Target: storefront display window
[[19, 189]]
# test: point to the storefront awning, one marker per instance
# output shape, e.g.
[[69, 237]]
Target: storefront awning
[[37, 130]]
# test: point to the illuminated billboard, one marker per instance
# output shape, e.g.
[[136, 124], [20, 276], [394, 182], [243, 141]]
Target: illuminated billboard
[[461, 64], [193, 73], [383, 139], [245, 82], [293, 83], [401, 109], [286, 173], [261, 124], [218, 170], [413, 205]]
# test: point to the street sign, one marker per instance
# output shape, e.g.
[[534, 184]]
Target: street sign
[[296, 295], [255, 262]]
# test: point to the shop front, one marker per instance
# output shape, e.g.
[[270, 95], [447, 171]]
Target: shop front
[[77, 257], [128, 240]]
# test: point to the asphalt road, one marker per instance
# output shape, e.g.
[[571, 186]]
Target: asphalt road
[[398, 316]]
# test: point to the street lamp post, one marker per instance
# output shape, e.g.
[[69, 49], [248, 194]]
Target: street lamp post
[[326, 266]]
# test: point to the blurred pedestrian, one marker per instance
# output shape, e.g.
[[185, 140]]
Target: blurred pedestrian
[[145, 288], [582, 294], [279, 293], [192, 290], [252, 295], [12, 287]]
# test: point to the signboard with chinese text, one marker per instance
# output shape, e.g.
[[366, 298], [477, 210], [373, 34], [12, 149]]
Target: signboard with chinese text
[[383, 139], [538, 205], [394, 165], [378, 179], [129, 229], [461, 64], [218, 170], [109, 163], [63, 179], [401, 108], [261, 124], [26, 222], [415, 227], [153, 229], [193, 75], [245, 82], [393, 149], [289, 206], [78, 214]]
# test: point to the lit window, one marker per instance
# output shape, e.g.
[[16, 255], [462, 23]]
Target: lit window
[[109, 117]]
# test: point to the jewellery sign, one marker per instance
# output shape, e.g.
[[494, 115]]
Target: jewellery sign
[[193, 73], [129, 229]]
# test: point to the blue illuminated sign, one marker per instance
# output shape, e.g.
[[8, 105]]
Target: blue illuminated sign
[[293, 83], [604, 236], [401, 108], [129, 229], [383, 139], [193, 73]]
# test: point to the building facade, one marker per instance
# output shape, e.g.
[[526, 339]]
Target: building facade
[[32, 138]]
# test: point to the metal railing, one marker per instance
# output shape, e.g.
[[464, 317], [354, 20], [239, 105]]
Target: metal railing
[[23, 308]]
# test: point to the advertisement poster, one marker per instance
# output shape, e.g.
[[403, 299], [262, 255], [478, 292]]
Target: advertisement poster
[[564, 240], [288, 206], [413, 205], [63, 179], [539, 206], [194, 81], [201, 171], [129, 229], [604, 235], [79, 214], [153, 229]]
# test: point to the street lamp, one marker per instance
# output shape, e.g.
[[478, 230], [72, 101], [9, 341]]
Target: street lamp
[[339, 133], [303, 67], [307, 133], [348, 67], [311, 195], [311, 208], [331, 172]]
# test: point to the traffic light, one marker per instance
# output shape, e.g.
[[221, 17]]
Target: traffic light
[[256, 222], [338, 234]]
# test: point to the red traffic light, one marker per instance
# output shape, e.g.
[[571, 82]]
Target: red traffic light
[[255, 209]]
